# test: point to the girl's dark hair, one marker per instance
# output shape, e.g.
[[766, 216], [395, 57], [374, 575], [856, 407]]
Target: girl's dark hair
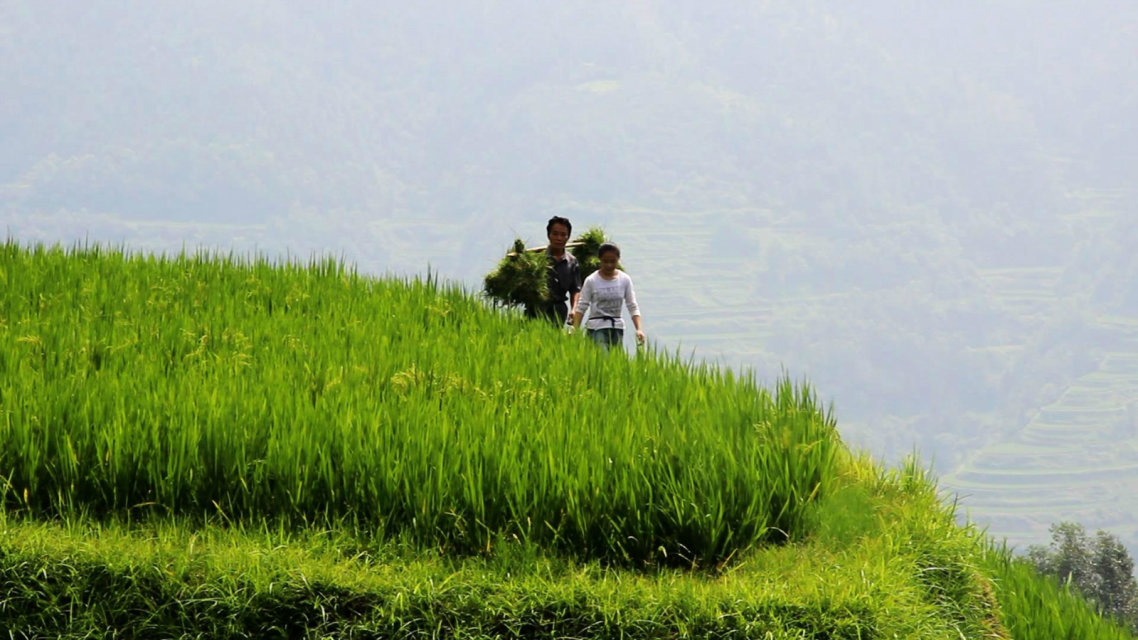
[[606, 247], [558, 220]]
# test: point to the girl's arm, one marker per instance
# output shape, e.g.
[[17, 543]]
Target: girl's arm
[[582, 303], [639, 329], [575, 293], [634, 310]]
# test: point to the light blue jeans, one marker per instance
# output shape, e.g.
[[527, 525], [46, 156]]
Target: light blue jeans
[[607, 338]]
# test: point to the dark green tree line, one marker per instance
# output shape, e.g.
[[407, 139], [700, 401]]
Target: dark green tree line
[[1099, 567]]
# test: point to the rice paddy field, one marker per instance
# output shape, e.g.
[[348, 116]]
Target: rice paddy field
[[216, 446]]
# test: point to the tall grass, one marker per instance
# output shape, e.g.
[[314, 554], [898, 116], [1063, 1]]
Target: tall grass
[[887, 561], [1038, 607], [214, 386]]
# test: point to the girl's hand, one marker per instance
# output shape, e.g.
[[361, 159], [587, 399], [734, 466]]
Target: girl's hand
[[640, 337]]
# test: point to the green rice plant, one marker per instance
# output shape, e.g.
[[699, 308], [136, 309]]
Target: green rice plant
[[978, 586], [209, 386], [520, 279], [168, 579], [884, 578], [587, 249]]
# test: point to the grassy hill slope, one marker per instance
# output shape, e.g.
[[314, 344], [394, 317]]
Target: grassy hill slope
[[209, 445]]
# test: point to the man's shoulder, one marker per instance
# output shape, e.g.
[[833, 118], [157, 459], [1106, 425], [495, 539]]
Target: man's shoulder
[[565, 257]]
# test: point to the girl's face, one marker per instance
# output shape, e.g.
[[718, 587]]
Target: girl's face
[[609, 261]]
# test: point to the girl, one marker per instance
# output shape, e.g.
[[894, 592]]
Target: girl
[[602, 295]]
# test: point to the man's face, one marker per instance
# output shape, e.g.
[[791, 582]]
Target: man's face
[[558, 236]]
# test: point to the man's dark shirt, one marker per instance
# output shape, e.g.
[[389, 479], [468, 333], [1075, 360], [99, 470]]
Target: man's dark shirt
[[564, 279]]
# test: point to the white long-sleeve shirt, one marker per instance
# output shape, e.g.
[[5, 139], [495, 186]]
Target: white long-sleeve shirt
[[603, 299]]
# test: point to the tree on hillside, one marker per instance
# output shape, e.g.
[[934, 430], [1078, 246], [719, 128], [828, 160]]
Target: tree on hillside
[[1100, 568]]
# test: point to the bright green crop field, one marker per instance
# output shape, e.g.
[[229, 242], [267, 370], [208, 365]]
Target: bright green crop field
[[214, 446]]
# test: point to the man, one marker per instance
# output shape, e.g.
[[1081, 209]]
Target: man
[[564, 273]]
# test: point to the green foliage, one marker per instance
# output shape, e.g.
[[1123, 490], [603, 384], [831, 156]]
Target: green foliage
[[588, 249], [1035, 607], [162, 583], [1100, 568], [907, 571], [202, 385], [1117, 593], [168, 578], [521, 278]]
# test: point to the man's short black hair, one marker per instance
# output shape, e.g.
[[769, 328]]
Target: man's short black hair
[[558, 220], [607, 247]]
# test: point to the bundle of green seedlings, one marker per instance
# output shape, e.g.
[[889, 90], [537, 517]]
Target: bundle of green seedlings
[[521, 279], [587, 250], [522, 276]]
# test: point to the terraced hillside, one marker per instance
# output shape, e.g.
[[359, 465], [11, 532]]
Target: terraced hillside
[[1072, 455], [1075, 459], [1023, 292]]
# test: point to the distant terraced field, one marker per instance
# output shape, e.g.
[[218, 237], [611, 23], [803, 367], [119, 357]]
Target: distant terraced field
[[1076, 459], [1025, 291], [708, 299]]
